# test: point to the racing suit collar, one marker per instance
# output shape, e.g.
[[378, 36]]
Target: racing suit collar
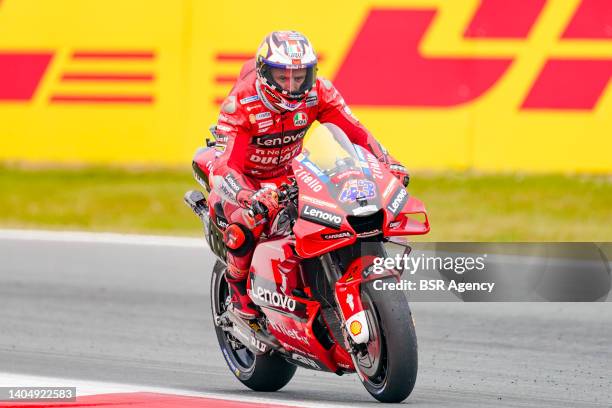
[[270, 105]]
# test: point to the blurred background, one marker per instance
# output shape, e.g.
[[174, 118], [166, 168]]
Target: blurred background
[[501, 109]]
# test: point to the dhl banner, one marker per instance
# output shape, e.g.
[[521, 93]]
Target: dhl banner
[[494, 85]]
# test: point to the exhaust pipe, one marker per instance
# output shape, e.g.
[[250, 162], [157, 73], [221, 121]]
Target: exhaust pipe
[[253, 339]]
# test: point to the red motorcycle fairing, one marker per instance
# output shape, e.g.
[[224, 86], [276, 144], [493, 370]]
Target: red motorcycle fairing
[[274, 276], [202, 164], [323, 225]]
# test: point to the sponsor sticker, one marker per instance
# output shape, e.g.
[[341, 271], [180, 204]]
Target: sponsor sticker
[[321, 217], [273, 298], [365, 210], [316, 201], [398, 200], [337, 178], [357, 190], [228, 119], [249, 99], [263, 115], [256, 158], [300, 119], [289, 332], [355, 328], [258, 344], [225, 128], [312, 99], [272, 95], [313, 167], [267, 123], [306, 177], [233, 183], [370, 233], [278, 139], [337, 235], [388, 189], [375, 166], [221, 223]]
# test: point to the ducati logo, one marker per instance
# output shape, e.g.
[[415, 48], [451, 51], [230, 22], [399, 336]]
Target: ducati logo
[[349, 301]]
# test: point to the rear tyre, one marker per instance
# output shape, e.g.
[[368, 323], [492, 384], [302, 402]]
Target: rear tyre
[[259, 373], [388, 368]]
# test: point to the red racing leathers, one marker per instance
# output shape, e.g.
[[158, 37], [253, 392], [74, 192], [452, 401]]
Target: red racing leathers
[[256, 143]]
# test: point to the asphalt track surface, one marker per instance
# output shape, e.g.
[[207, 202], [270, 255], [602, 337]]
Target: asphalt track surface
[[141, 315]]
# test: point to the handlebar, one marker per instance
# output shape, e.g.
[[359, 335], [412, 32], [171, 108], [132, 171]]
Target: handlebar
[[286, 193]]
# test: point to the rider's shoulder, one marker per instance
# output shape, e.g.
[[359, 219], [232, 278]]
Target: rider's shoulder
[[326, 90], [324, 84], [242, 94]]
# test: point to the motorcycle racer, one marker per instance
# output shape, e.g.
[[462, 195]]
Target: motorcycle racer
[[260, 130]]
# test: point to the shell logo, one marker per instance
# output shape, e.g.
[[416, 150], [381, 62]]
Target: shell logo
[[355, 328]]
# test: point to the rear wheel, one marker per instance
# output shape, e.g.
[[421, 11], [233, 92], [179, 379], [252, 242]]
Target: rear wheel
[[259, 373], [388, 364]]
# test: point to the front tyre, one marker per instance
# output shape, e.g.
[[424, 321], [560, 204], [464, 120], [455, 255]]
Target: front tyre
[[259, 373], [389, 363]]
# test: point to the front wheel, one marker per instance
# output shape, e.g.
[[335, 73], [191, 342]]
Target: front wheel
[[259, 373], [388, 365]]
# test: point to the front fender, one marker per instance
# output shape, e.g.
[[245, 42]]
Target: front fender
[[348, 295]]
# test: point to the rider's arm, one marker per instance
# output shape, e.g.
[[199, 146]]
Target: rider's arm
[[333, 109], [232, 141]]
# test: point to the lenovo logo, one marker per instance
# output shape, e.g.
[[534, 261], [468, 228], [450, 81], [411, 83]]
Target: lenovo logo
[[273, 298], [398, 201], [322, 217]]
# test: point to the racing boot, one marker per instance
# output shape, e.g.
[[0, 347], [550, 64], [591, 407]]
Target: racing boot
[[241, 303]]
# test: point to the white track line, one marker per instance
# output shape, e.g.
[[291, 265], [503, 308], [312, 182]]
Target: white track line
[[101, 237], [99, 387], [182, 242]]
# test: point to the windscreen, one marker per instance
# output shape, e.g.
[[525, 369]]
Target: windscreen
[[342, 167]]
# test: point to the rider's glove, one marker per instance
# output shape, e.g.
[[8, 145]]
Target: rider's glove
[[264, 202], [397, 169]]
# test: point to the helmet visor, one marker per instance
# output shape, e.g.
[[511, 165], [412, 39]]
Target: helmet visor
[[293, 82]]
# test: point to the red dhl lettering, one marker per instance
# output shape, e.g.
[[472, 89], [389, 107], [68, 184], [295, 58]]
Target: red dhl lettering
[[417, 80]]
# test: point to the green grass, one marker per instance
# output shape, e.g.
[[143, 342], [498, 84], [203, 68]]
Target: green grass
[[461, 206]]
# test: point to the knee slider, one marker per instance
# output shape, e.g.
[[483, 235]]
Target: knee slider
[[238, 239]]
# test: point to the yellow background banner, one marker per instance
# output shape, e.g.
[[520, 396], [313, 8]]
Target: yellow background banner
[[443, 84]]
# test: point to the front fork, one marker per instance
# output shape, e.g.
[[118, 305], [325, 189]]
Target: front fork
[[348, 293]]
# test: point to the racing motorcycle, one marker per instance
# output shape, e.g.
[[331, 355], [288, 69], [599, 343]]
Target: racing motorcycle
[[313, 272]]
